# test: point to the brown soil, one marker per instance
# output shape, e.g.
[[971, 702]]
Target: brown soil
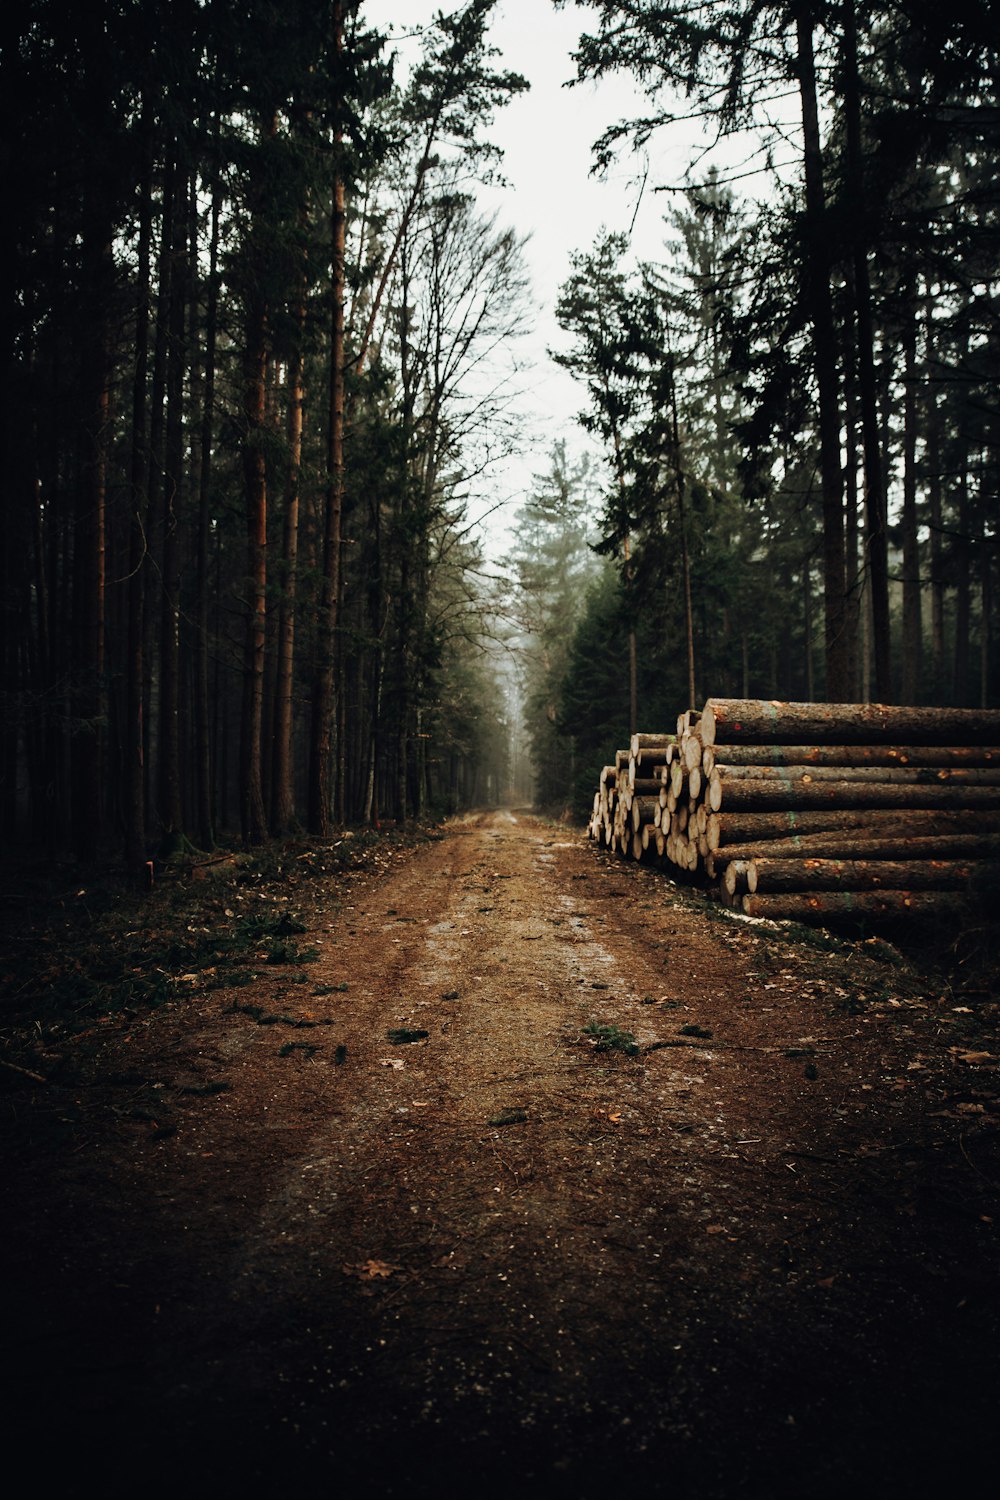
[[755, 1257]]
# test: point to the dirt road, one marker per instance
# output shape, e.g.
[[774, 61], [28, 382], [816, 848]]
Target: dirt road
[[542, 1179]]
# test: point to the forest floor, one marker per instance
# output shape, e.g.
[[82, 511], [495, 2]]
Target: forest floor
[[489, 1164]]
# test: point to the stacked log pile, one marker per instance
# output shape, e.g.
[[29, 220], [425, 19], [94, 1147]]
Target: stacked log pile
[[810, 810]]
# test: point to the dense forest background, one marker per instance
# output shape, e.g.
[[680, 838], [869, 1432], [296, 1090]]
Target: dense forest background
[[258, 354]]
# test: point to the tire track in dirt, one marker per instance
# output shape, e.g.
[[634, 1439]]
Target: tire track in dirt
[[537, 1274], [678, 1273], [513, 1248]]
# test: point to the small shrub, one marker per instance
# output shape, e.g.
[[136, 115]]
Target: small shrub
[[611, 1039]]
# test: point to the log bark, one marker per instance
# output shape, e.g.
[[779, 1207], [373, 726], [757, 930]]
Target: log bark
[[849, 755], [765, 874], [762, 795], [650, 786], [819, 810], [651, 762], [725, 828], [657, 742], [817, 906], [870, 775], [751, 720], [858, 845]]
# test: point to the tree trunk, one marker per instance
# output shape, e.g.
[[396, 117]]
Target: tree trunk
[[912, 626], [170, 805], [875, 500], [323, 702], [282, 788], [133, 792], [856, 596], [89, 699], [934, 500], [252, 818], [820, 309], [203, 729], [152, 622], [987, 544], [685, 557]]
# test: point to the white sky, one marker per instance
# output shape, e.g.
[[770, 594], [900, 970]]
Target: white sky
[[546, 136]]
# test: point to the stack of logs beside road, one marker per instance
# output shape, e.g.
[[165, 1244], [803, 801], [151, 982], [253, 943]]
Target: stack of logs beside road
[[814, 810]]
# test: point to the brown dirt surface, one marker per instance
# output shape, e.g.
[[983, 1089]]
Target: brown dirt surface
[[519, 1171]]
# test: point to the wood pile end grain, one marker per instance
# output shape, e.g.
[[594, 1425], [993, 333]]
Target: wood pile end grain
[[813, 810]]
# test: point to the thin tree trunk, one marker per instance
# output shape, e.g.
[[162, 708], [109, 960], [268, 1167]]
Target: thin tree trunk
[[282, 788], [912, 628], [252, 817], [685, 555], [875, 499], [633, 668], [808, 626], [323, 702], [817, 289], [934, 498], [856, 599], [89, 583], [378, 620], [153, 608], [987, 499], [203, 711], [133, 794], [963, 577], [171, 813]]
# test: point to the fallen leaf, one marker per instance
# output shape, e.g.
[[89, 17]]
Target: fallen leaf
[[972, 1058], [715, 1229], [391, 1062], [614, 1118], [371, 1270]]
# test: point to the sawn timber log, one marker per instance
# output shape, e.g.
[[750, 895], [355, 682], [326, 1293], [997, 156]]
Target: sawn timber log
[[727, 721]]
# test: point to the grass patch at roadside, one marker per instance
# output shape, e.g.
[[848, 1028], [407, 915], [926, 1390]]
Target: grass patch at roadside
[[607, 1038]]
